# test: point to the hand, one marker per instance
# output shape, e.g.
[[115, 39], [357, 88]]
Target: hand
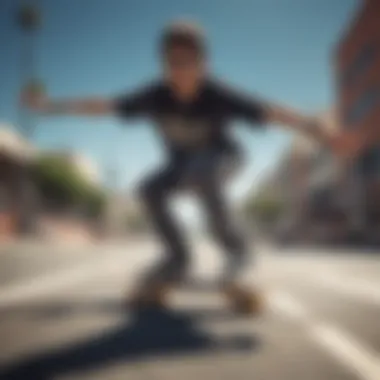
[[348, 144], [33, 96]]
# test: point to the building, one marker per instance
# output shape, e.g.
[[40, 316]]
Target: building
[[327, 188], [357, 66], [12, 144], [325, 168], [308, 182], [327, 195], [124, 215], [15, 154], [286, 184], [22, 206]]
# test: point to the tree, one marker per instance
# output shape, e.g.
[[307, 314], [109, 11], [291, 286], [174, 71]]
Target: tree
[[61, 184], [95, 202], [264, 209]]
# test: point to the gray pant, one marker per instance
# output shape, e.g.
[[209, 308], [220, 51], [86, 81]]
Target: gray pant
[[205, 175]]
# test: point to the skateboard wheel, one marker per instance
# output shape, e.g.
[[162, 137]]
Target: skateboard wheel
[[244, 301], [154, 296]]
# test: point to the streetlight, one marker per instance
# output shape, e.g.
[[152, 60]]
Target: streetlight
[[112, 204], [29, 21]]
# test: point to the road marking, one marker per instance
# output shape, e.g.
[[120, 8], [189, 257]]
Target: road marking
[[351, 353], [351, 287], [348, 351], [286, 304]]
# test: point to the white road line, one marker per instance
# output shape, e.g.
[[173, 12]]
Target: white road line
[[348, 351], [347, 286], [351, 353], [285, 304]]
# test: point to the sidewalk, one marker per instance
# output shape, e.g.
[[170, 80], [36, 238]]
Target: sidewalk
[[38, 243], [27, 258]]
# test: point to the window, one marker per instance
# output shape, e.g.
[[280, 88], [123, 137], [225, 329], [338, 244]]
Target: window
[[360, 65], [363, 106], [369, 164]]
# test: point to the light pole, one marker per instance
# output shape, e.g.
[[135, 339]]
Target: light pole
[[29, 21], [112, 206]]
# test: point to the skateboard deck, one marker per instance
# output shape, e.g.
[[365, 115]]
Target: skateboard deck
[[243, 301]]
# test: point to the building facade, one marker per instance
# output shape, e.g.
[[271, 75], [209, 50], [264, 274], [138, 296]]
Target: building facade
[[15, 155], [308, 182], [357, 63]]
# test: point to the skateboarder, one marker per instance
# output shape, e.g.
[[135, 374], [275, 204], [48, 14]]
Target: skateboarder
[[192, 111]]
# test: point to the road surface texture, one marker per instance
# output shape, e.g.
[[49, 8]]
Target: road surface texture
[[62, 317]]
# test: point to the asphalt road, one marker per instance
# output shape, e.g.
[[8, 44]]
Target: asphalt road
[[62, 317]]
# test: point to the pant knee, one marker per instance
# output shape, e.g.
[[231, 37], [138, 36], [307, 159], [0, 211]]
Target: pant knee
[[150, 194], [229, 236]]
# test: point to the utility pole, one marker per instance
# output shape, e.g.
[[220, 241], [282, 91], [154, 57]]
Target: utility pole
[[29, 22], [112, 206]]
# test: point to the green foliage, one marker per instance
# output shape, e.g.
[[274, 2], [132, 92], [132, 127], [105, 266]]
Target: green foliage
[[95, 202], [264, 209], [59, 181]]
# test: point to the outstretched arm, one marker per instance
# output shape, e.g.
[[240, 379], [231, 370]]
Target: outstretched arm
[[257, 112], [298, 122], [342, 142], [345, 143], [136, 103], [87, 107]]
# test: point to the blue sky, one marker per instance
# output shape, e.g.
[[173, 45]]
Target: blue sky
[[280, 49]]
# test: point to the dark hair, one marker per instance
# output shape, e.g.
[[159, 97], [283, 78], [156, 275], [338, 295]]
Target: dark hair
[[184, 34]]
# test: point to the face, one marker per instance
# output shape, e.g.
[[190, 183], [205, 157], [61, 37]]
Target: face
[[184, 67]]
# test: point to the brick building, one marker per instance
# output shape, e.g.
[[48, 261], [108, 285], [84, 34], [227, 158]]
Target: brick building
[[357, 64]]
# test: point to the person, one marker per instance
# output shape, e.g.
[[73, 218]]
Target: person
[[192, 110]]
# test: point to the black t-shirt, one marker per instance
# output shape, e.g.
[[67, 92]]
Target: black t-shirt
[[196, 125]]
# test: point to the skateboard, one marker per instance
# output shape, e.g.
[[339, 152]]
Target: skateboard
[[240, 300]]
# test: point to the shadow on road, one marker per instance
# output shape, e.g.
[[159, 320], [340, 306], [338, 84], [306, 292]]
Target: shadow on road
[[63, 310], [148, 334]]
